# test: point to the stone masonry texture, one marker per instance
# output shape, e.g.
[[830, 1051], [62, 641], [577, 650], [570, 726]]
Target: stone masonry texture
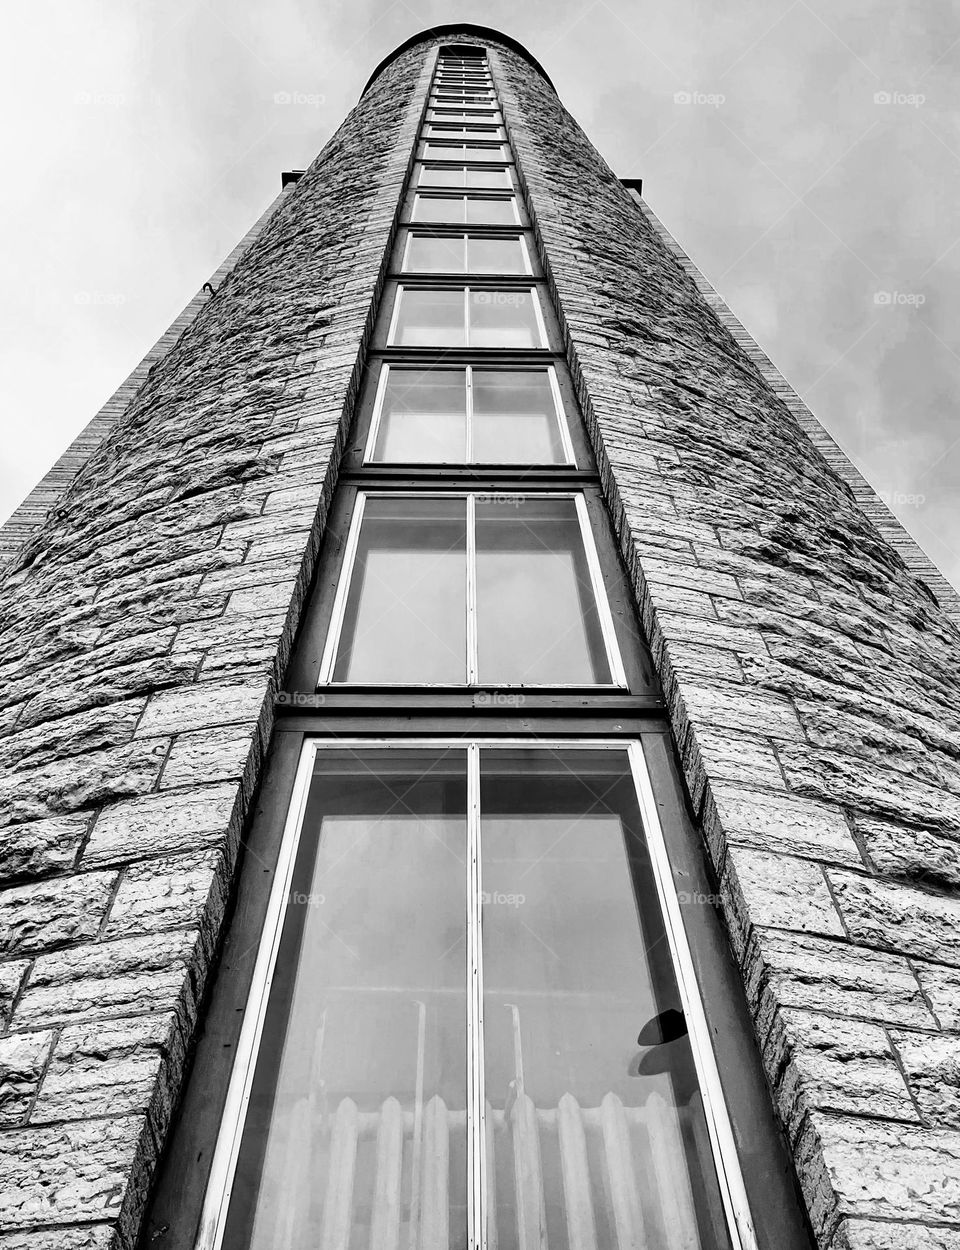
[[811, 674], [147, 615], [811, 666]]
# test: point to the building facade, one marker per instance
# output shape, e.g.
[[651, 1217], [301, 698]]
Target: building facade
[[480, 767]]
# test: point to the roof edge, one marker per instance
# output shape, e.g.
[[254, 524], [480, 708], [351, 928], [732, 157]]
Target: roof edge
[[479, 33]]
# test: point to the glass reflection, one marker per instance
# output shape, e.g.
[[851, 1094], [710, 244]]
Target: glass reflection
[[504, 319], [405, 618], [429, 318], [515, 419], [423, 416], [537, 615]]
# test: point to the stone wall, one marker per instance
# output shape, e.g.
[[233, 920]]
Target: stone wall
[[144, 626], [814, 693]]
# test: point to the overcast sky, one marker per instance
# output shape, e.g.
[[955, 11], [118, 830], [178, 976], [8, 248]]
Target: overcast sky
[[806, 154]]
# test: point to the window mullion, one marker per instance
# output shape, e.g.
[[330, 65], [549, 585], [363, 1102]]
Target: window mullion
[[469, 440], [476, 1109], [473, 657]]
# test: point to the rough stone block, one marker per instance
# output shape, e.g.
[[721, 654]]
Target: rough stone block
[[895, 917], [776, 891], [932, 1065], [942, 987], [202, 706], [71, 1172], [86, 1237], [797, 970], [22, 1060], [778, 822], [162, 823], [209, 755], [186, 891], [41, 847], [120, 978], [923, 856], [50, 913], [871, 1168], [129, 1065], [831, 1064], [884, 1235]]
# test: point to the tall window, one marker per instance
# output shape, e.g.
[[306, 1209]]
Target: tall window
[[462, 1000]]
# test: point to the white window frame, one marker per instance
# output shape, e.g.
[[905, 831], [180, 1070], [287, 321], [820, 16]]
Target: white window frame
[[499, 152], [723, 1147], [532, 290], [464, 166], [331, 646], [569, 460], [461, 132], [437, 194], [473, 232]]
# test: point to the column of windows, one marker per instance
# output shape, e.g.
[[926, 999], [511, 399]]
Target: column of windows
[[473, 1019]]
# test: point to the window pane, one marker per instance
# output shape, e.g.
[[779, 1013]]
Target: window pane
[[490, 212], [514, 418], [474, 152], [537, 619], [443, 152], [492, 178], [504, 319], [405, 619], [441, 176], [445, 208], [431, 254], [495, 256], [363, 1051], [606, 1130], [429, 318], [424, 417]]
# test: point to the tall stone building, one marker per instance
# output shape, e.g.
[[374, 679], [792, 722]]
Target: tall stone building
[[479, 766]]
